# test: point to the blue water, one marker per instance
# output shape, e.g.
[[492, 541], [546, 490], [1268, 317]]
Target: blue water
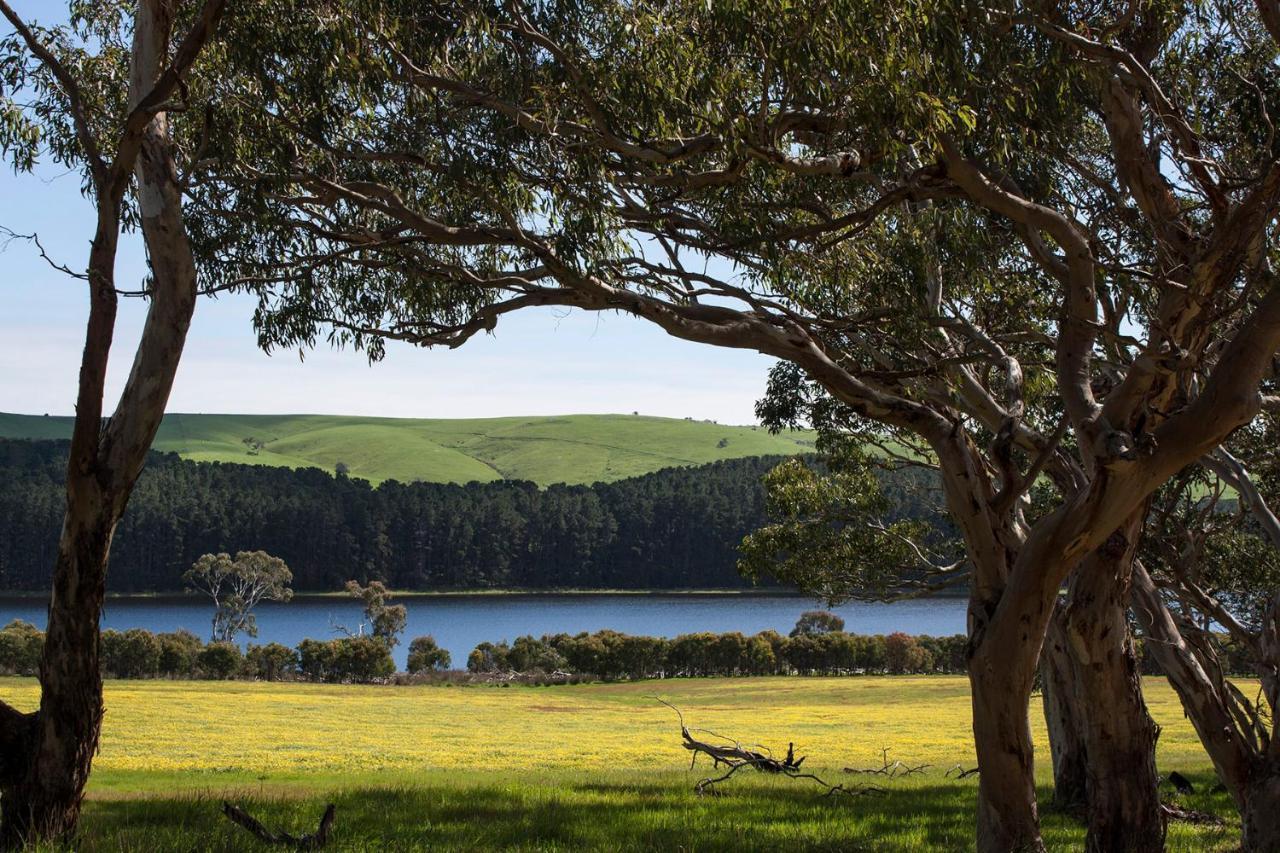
[[460, 622]]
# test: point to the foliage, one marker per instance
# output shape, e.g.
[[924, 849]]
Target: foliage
[[134, 653], [346, 659], [236, 586], [814, 622], [612, 655], [271, 662], [20, 645], [386, 621], [220, 660], [426, 656], [675, 529], [179, 652]]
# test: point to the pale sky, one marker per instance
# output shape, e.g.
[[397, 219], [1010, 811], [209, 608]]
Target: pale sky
[[540, 362]]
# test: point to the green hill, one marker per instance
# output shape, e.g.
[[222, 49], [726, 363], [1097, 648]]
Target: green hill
[[567, 449]]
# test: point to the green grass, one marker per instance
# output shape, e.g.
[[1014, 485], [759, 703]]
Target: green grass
[[546, 450], [581, 767]]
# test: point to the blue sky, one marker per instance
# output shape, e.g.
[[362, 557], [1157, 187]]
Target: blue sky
[[538, 362]]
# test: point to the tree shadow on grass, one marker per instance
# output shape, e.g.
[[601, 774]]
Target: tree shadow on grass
[[756, 814]]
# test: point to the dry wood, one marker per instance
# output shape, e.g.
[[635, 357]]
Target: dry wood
[[732, 754], [312, 841], [887, 768]]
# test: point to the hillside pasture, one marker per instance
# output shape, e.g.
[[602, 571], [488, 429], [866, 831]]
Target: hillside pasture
[[573, 449]]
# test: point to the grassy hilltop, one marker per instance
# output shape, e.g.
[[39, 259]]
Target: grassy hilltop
[[565, 449]]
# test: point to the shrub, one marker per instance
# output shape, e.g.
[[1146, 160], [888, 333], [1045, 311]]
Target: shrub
[[348, 659], [179, 651], [316, 659], [426, 656], [135, 653], [220, 660], [361, 660], [271, 662], [532, 655], [487, 657], [905, 654], [20, 647]]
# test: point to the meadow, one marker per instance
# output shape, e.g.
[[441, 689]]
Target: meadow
[[574, 449], [573, 767]]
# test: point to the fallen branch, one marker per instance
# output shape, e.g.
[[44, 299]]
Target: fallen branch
[[1191, 815], [961, 773], [313, 841], [894, 770], [735, 756]]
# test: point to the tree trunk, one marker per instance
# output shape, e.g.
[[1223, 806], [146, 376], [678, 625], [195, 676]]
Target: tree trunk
[[1260, 817], [1124, 812], [1062, 719], [1007, 816], [41, 797], [48, 754]]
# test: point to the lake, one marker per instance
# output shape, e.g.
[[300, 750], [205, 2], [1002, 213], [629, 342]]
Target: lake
[[460, 622]]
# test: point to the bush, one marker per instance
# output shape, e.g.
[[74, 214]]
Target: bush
[[905, 654], [531, 655], [178, 653], [316, 659], [271, 662], [20, 647], [220, 660], [426, 656], [134, 653], [487, 657], [349, 659]]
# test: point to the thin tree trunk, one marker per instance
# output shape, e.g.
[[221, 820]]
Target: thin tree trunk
[[1124, 812], [48, 754], [1062, 720], [42, 799]]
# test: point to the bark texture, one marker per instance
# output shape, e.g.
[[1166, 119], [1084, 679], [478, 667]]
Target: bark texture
[[1062, 720], [1124, 812]]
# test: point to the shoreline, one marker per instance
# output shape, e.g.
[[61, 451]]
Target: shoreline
[[472, 593]]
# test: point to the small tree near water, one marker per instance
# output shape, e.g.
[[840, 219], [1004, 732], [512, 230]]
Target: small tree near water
[[386, 621], [814, 622], [236, 586]]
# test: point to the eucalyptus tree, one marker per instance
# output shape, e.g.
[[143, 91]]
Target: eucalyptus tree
[[102, 95], [1211, 564], [236, 586], [1025, 240]]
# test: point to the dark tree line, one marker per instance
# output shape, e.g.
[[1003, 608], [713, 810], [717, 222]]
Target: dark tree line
[[676, 528]]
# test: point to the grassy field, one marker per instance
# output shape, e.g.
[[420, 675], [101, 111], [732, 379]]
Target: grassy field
[[568, 449], [555, 768]]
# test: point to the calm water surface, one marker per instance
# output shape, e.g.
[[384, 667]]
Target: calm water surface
[[462, 621]]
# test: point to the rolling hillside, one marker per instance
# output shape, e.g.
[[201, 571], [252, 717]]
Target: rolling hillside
[[568, 449]]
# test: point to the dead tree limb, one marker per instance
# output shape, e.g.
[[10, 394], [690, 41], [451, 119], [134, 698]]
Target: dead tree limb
[[961, 773], [892, 770], [735, 756], [312, 841]]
